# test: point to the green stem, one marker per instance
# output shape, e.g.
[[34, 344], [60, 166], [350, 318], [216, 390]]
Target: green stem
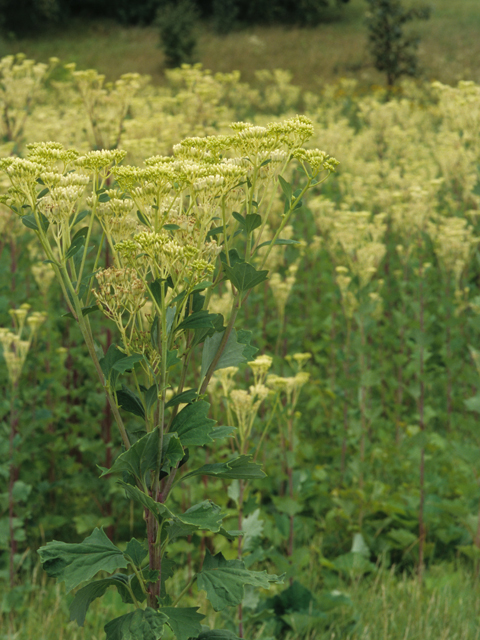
[[85, 251], [222, 345], [185, 589], [11, 483], [181, 385], [135, 601], [286, 217], [97, 258], [267, 427]]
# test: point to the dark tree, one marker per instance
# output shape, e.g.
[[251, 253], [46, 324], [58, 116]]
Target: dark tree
[[393, 51], [25, 17], [177, 21]]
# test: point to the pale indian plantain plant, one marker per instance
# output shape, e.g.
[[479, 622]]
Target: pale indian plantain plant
[[175, 228]]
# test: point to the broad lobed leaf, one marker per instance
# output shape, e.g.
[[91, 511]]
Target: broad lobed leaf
[[193, 425], [74, 563], [240, 468], [184, 622], [141, 624], [86, 595], [224, 580]]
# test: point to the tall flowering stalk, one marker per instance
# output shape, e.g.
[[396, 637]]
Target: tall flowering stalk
[[245, 405], [288, 390], [355, 242], [175, 228]]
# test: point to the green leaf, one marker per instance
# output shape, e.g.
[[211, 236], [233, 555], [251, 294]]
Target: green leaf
[[142, 624], [202, 334], [21, 490], [243, 276], [76, 218], [215, 231], [130, 402], [222, 432], [112, 356], [217, 634], [288, 505], [136, 551], [156, 289], [151, 397], [201, 286], [145, 501], [233, 353], [127, 362], [30, 222], [185, 397], [184, 622], [172, 452], [168, 569], [278, 241], [85, 596], [78, 242], [193, 425], [198, 320], [149, 575], [360, 546], [473, 404], [85, 283], [353, 564], [172, 358], [143, 219], [140, 458], [230, 535], [179, 529], [240, 468], [224, 580], [103, 197], [85, 311], [169, 318], [77, 562], [244, 337], [252, 222], [252, 528], [233, 257], [286, 188], [205, 515], [239, 218]]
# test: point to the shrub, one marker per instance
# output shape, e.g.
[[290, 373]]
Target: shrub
[[394, 52], [177, 25]]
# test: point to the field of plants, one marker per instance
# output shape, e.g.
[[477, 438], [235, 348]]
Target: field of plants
[[241, 357]]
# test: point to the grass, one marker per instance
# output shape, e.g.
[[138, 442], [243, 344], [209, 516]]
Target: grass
[[385, 607], [449, 50], [446, 607]]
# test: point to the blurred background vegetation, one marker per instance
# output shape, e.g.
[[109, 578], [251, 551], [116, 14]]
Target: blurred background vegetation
[[413, 156], [335, 47]]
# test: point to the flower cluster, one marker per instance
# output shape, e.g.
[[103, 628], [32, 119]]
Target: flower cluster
[[15, 349]]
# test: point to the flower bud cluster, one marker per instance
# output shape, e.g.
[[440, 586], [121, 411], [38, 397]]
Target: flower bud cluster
[[120, 293], [289, 385], [15, 349], [317, 159], [98, 160], [21, 82]]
